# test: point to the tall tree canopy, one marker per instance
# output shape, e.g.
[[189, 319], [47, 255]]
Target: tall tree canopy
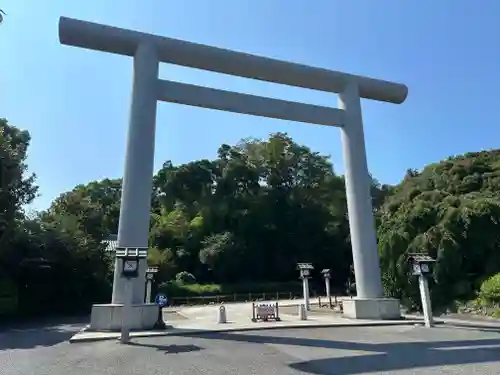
[[450, 210]]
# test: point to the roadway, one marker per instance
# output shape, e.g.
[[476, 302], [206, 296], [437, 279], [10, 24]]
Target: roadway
[[396, 350]]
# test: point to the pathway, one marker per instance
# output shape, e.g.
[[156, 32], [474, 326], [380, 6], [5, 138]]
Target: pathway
[[185, 320]]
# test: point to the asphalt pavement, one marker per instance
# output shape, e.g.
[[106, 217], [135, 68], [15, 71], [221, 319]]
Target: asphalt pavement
[[391, 350]]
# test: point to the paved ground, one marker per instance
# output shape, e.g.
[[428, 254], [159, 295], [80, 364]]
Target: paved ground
[[204, 318], [376, 350], [30, 336], [315, 310]]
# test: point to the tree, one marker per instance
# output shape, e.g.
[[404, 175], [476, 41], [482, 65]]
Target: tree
[[450, 211], [260, 199], [17, 187], [95, 205]]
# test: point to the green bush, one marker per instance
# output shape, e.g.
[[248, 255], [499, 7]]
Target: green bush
[[489, 292], [185, 278]]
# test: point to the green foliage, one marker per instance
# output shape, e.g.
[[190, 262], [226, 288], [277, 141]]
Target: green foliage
[[489, 293], [52, 257], [255, 204], [180, 289], [185, 278], [450, 211], [8, 297]]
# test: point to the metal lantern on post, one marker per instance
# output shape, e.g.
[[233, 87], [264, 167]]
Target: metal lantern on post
[[305, 273], [327, 275], [150, 275], [110, 243], [421, 266], [130, 270]]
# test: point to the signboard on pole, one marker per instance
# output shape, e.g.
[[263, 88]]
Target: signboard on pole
[[161, 300]]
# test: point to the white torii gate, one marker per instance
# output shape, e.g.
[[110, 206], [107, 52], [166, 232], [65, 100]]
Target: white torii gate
[[149, 50]]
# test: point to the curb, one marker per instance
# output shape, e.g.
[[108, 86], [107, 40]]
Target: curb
[[186, 332], [462, 323], [459, 322]]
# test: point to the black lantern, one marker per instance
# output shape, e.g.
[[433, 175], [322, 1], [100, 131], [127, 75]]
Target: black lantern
[[305, 270], [150, 273], [130, 257], [421, 264], [327, 273]]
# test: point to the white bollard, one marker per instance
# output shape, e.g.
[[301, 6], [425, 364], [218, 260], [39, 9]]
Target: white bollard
[[221, 315], [426, 300], [302, 312], [305, 292], [148, 290], [328, 293]]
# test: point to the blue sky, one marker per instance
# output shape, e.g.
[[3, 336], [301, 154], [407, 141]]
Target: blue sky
[[75, 102]]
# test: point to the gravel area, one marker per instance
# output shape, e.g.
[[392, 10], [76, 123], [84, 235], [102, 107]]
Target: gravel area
[[170, 315]]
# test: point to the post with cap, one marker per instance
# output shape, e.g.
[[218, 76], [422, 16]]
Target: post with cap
[[150, 275], [421, 266], [327, 275], [305, 273], [130, 258]]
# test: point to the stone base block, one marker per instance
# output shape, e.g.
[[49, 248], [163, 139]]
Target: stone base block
[[372, 308], [108, 317]]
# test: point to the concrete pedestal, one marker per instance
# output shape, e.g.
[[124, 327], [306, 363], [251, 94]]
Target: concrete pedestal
[[372, 308], [108, 317]]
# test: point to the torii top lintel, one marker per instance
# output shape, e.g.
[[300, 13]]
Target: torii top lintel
[[104, 38]]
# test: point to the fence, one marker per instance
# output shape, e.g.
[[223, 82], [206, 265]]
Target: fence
[[235, 297]]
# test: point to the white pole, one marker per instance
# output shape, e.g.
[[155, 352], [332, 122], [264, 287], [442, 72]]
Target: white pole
[[305, 285], [127, 306], [327, 285], [426, 300], [302, 312], [133, 225], [148, 291], [357, 181]]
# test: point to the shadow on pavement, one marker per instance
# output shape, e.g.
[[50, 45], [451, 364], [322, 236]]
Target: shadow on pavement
[[43, 322], [26, 336], [170, 349], [378, 357]]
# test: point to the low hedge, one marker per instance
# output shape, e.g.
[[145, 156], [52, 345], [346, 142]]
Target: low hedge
[[178, 289], [489, 292]]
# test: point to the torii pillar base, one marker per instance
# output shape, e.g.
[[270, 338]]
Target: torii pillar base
[[372, 308], [108, 317]]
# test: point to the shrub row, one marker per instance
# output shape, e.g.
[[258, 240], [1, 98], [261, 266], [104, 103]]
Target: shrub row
[[178, 289]]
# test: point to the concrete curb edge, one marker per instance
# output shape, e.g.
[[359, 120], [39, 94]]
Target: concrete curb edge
[[186, 332]]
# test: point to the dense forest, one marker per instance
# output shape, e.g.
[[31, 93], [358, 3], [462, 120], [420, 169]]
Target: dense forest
[[247, 217]]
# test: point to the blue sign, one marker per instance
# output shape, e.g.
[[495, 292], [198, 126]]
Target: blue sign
[[161, 300]]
